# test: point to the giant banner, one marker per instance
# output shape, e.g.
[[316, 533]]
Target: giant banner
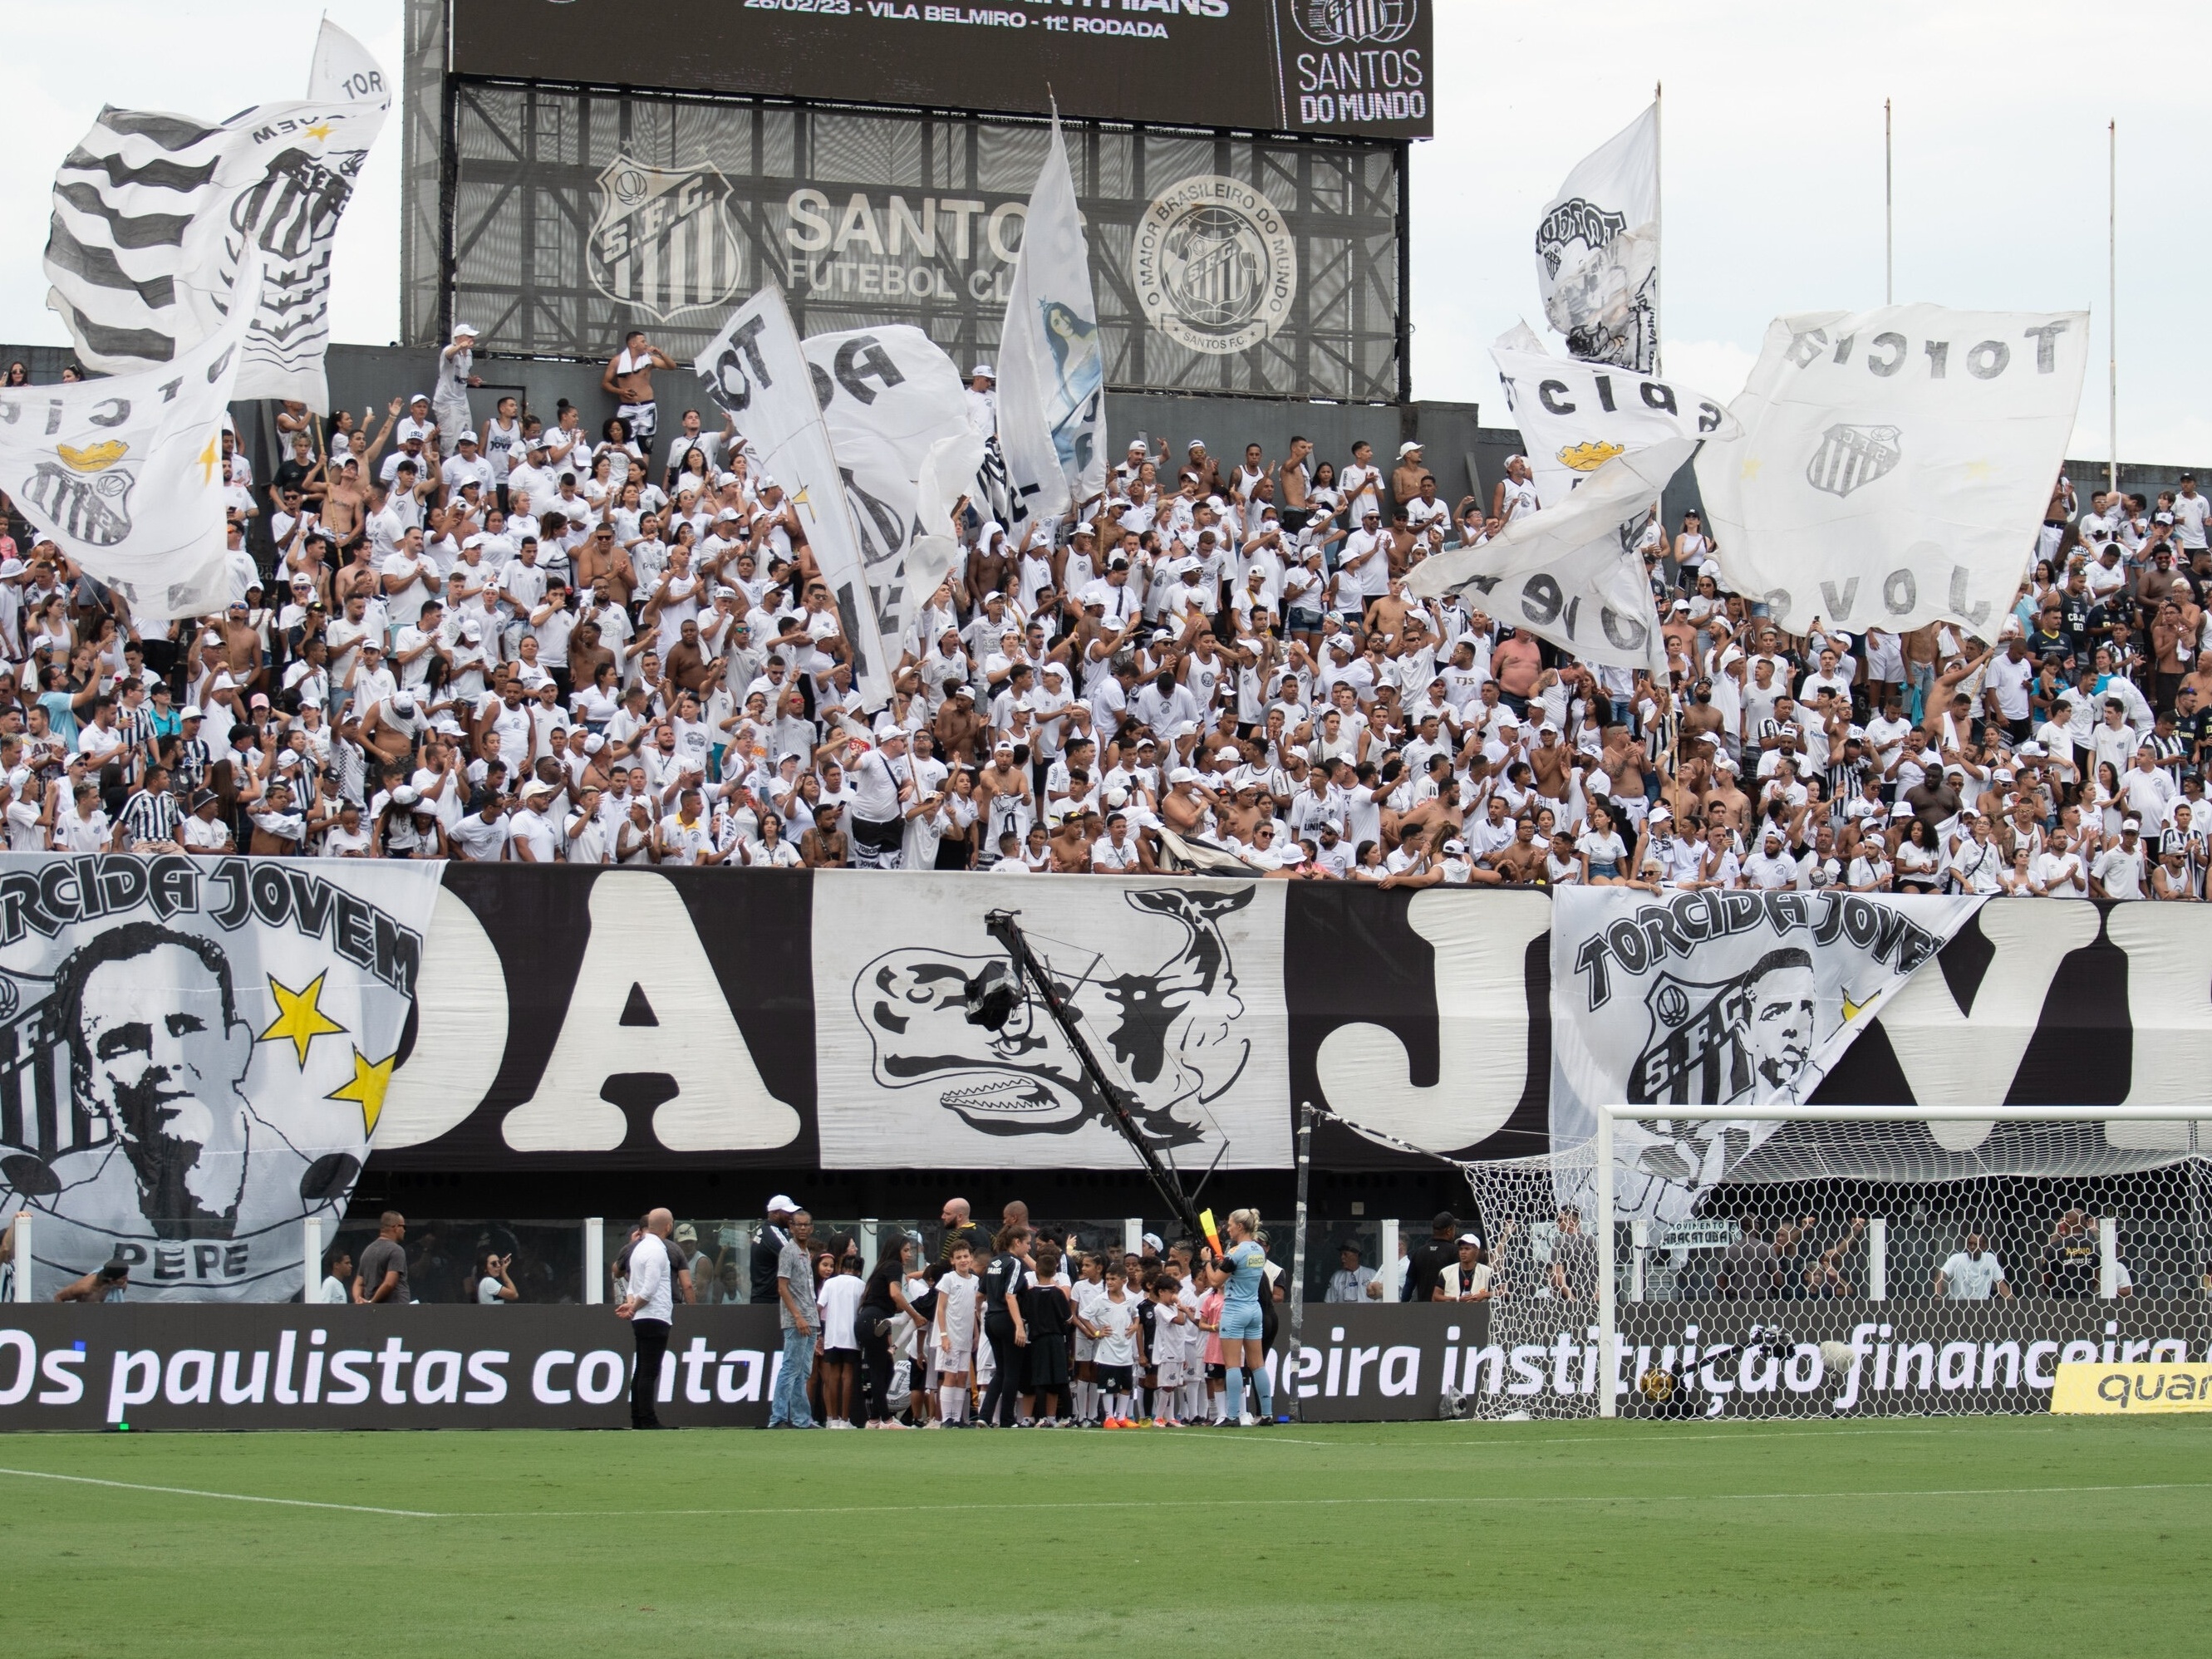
[[505, 1017], [194, 1055]]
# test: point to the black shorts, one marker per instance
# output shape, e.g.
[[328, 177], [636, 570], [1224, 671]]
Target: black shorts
[[1217, 1373], [841, 1356], [1047, 1362], [1116, 1379]]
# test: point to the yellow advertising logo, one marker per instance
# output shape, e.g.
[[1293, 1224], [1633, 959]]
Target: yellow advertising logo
[[2093, 1390], [1587, 457]]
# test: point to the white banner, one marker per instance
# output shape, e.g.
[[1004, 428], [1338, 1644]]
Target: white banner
[[1052, 371], [125, 474], [1711, 999], [152, 214], [1597, 250], [757, 374], [1179, 987], [893, 397], [1574, 417], [194, 1054], [1572, 574], [1894, 465]]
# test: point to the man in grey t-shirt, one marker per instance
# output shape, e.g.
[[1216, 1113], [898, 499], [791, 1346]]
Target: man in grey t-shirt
[[794, 1295], [383, 1275]]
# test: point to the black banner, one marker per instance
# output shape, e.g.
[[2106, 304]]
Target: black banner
[[88, 1368], [1362, 67], [76, 1367], [647, 1018]]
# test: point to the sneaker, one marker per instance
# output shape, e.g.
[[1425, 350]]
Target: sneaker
[[1246, 1420], [934, 1423]]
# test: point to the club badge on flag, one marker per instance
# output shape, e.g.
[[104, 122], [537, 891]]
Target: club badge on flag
[[125, 474], [152, 215], [665, 241], [1891, 467]]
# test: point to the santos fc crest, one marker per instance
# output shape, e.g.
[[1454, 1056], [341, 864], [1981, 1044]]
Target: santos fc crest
[[664, 240]]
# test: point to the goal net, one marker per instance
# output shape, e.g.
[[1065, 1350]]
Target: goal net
[[1798, 1260]]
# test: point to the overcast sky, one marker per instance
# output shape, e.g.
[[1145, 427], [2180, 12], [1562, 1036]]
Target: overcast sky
[[1772, 174]]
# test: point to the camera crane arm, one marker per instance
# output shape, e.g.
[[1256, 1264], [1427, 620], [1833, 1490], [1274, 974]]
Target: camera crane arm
[[1028, 969]]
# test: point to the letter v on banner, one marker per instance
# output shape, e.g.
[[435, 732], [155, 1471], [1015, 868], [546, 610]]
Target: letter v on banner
[[758, 375]]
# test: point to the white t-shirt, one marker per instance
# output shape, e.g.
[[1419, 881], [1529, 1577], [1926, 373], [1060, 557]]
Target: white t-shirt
[[839, 1298], [1968, 1279]]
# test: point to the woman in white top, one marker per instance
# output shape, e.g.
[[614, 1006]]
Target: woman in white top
[[1917, 859], [771, 851], [493, 1283]]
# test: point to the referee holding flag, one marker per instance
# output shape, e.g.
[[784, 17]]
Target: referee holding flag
[[648, 1307]]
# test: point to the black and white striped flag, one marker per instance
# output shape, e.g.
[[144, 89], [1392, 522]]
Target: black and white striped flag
[[152, 213]]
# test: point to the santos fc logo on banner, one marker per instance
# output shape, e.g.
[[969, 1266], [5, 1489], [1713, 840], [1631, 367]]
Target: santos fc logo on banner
[[665, 241]]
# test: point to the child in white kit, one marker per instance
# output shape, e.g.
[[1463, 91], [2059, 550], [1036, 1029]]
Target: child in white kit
[[1167, 1349], [1112, 1323], [1084, 1383], [952, 1339]]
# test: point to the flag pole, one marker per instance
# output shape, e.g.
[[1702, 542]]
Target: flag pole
[[1659, 209], [1889, 212], [2112, 304]]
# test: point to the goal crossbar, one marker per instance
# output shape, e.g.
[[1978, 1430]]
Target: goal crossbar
[[1610, 1113]]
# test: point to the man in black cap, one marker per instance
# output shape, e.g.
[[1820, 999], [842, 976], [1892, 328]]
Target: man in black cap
[[1425, 1264]]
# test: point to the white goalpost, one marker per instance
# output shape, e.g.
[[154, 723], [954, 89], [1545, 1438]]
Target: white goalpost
[[1778, 1258]]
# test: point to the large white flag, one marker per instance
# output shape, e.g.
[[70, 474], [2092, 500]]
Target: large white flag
[[152, 214], [757, 374], [125, 473], [1597, 250], [1572, 574], [889, 397], [1574, 417], [1052, 369], [1894, 465], [930, 556]]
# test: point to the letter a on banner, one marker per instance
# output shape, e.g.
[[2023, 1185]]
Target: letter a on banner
[[645, 967], [757, 372]]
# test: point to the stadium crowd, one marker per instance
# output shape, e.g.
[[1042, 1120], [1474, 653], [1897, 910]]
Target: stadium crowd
[[528, 641]]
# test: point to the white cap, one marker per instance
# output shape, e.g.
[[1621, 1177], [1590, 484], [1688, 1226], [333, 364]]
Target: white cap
[[193, 711], [783, 1204], [469, 329], [1182, 774], [984, 369], [1407, 448], [2131, 823], [466, 438]]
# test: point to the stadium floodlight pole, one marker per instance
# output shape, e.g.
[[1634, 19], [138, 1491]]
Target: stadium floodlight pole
[[1289, 1377], [2112, 305], [1609, 1112], [1002, 926], [1888, 211]]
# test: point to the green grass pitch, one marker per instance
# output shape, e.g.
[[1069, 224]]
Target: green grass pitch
[[1957, 1536]]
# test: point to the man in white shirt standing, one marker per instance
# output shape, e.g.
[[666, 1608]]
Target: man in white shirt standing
[[1973, 1275], [650, 1308]]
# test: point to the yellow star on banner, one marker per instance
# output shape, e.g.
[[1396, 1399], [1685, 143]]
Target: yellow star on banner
[[319, 131], [1853, 1009], [799, 499], [299, 1015], [210, 458], [1751, 465], [371, 1078]]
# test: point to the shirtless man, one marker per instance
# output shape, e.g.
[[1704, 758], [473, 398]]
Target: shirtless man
[[628, 381], [1405, 478]]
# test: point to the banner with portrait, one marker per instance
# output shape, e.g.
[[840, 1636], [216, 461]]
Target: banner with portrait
[[194, 1054], [1712, 997]]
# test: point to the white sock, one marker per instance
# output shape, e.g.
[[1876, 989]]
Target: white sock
[[1083, 1391], [949, 1400]]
